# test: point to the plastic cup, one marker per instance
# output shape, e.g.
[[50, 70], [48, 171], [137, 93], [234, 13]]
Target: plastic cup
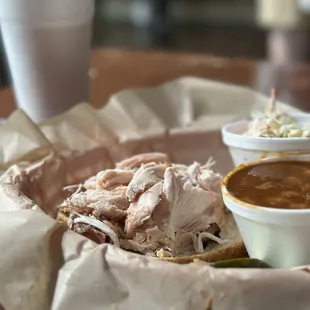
[[47, 45], [280, 237], [245, 149]]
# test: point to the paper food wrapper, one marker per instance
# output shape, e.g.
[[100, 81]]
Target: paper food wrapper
[[45, 266]]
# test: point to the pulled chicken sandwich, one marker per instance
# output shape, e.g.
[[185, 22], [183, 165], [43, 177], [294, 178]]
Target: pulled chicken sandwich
[[150, 206]]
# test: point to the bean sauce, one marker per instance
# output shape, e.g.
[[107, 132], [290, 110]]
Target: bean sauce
[[282, 185]]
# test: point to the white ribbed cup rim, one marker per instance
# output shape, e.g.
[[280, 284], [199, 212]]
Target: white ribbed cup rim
[[261, 213], [232, 138]]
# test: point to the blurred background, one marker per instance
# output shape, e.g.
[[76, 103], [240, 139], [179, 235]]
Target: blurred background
[[222, 27], [229, 28]]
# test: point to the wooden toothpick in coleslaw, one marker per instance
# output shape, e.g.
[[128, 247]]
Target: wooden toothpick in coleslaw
[[274, 124]]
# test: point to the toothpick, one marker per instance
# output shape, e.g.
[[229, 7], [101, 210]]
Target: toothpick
[[273, 99]]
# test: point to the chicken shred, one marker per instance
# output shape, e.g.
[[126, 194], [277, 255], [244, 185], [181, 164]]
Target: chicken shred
[[149, 205], [113, 178], [140, 159], [142, 209], [99, 225], [145, 177]]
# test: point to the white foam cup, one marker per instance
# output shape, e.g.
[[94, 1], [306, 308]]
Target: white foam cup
[[47, 45], [280, 237], [244, 149]]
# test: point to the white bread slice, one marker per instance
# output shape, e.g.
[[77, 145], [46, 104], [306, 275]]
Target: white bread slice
[[233, 249]]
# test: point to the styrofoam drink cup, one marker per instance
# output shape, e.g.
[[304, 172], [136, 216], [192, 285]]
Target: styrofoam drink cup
[[47, 45]]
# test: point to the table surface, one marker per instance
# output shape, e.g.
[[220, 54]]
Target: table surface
[[117, 69]]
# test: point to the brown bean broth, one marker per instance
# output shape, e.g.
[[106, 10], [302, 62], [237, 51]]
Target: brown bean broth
[[283, 185]]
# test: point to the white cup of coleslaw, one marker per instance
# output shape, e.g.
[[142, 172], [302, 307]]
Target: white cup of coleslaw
[[279, 237], [244, 149]]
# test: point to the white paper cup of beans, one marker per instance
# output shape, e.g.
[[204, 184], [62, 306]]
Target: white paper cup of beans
[[278, 236], [47, 43], [244, 149]]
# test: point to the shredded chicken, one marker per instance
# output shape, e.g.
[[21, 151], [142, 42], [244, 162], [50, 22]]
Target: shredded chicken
[[204, 177], [73, 189], [139, 160], [101, 203], [91, 183], [99, 225], [118, 198], [145, 177], [193, 171], [135, 246], [89, 232], [142, 209], [180, 196], [113, 178], [201, 237], [150, 206]]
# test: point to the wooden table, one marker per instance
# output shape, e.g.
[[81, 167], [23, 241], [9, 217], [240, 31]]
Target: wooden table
[[114, 70]]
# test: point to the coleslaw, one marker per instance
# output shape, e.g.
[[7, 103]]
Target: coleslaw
[[273, 124]]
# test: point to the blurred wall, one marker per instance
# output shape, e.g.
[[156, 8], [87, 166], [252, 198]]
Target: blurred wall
[[228, 28], [236, 12], [222, 27]]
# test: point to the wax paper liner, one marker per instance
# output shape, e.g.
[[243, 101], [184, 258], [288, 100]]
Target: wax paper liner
[[45, 266]]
